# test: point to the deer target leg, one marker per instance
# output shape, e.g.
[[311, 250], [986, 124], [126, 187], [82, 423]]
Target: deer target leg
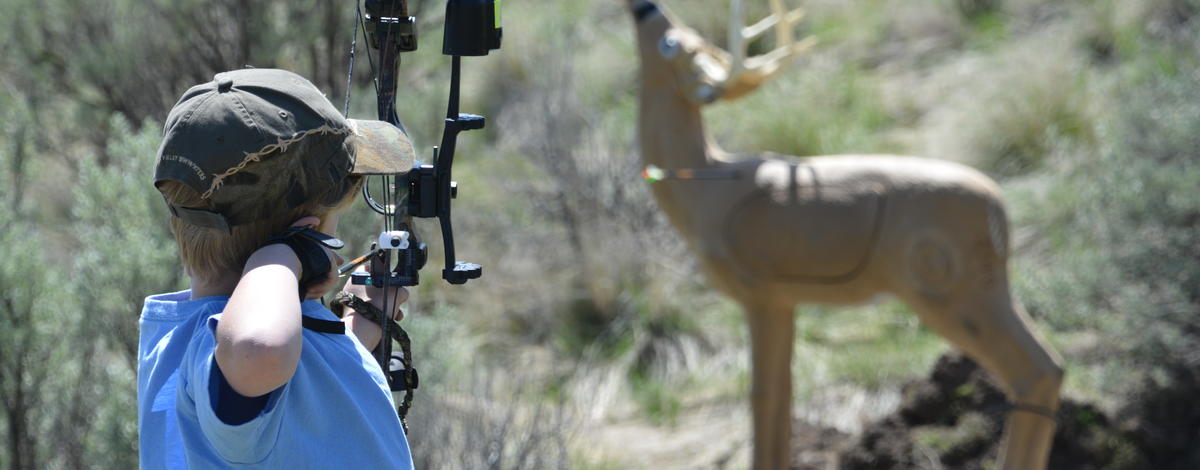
[[1034, 391], [996, 334], [772, 331]]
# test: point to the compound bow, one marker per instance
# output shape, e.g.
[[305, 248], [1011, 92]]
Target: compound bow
[[472, 29]]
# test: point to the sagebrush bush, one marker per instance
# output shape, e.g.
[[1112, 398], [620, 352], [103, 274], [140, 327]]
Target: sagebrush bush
[[477, 409], [1006, 114], [1121, 230], [819, 107]]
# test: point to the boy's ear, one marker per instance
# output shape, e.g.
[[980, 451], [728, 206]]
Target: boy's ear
[[309, 221]]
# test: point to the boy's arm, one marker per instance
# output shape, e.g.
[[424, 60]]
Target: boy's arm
[[259, 335]]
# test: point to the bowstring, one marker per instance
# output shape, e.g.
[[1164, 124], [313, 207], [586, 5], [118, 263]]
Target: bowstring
[[350, 68], [387, 181], [389, 222]]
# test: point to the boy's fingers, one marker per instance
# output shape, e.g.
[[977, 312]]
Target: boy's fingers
[[377, 264], [400, 295], [395, 295], [319, 288]]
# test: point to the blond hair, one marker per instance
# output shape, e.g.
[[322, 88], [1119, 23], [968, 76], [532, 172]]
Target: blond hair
[[210, 253]]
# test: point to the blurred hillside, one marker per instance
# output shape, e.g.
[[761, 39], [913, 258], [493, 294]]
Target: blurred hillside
[[592, 341]]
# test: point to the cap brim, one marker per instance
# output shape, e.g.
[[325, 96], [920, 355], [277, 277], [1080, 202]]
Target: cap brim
[[381, 149]]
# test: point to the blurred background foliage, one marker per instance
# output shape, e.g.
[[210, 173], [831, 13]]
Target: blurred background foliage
[[592, 341]]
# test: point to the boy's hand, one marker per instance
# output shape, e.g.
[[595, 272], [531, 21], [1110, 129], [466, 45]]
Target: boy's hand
[[368, 332], [318, 289]]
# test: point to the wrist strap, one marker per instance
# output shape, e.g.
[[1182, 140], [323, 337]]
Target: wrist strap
[[401, 374], [307, 244]]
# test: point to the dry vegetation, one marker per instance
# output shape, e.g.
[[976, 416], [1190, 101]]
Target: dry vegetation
[[592, 332]]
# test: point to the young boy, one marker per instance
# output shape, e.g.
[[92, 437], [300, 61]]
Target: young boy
[[245, 369]]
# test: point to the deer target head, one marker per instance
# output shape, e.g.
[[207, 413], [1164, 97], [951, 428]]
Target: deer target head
[[703, 72]]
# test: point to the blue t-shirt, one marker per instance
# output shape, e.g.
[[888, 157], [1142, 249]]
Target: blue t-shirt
[[335, 412]]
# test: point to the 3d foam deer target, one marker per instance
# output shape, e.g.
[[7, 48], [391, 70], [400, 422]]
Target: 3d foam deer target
[[773, 231]]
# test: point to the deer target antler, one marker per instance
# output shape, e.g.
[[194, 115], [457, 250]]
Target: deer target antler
[[713, 73], [748, 73]]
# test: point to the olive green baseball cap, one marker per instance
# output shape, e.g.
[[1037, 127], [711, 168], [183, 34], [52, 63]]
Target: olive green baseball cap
[[253, 142]]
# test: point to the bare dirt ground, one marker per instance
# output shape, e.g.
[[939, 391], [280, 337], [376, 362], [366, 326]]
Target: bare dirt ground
[[707, 437], [952, 419], [710, 438], [717, 436]]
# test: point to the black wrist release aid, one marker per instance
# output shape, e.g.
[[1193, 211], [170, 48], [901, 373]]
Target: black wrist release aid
[[307, 244]]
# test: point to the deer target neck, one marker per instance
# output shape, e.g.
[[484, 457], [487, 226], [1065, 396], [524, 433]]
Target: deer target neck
[[671, 129]]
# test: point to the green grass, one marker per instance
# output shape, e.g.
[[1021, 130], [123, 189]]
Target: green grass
[[988, 30], [868, 347], [971, 429], [660, 403]]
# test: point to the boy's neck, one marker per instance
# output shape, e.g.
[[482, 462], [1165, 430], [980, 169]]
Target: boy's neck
[[222, 285]]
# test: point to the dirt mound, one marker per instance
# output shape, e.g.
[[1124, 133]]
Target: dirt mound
[[1167, 420], [815, 447], [954, 419]]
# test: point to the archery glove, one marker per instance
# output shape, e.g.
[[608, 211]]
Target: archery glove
[[307, 243]]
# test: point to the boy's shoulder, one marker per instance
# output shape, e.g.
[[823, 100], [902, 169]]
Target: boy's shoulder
[[334, 388], [178, 336], [168, 324], [178, 306]]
